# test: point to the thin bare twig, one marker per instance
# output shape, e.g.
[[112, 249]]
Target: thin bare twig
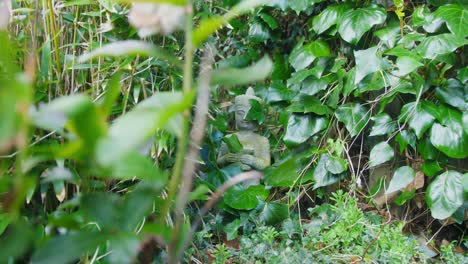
[[196, 137]]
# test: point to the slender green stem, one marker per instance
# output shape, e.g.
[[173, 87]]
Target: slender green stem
[[183, 140]]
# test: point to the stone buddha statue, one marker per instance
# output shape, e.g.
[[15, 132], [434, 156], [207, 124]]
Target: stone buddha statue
[[255, 153]]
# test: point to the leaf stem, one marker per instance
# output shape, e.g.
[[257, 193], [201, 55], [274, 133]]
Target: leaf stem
[[183, 140]]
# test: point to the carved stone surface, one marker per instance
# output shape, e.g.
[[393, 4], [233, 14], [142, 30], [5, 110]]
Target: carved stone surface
[[255, 153]]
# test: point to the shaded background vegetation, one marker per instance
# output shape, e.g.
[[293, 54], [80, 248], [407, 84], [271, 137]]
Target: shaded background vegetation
[[365, 97]]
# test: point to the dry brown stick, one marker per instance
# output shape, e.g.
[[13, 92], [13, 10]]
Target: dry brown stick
[[196, 136], [250, 175]]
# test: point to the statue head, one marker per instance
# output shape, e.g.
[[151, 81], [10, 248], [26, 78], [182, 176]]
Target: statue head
[[242, 106]]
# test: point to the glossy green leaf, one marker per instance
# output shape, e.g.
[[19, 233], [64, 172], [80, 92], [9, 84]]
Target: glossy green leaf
[[322, 175], [445, 194], [273, 213], [383, 125], [355, 23], [231, 229], [282, 175], [402, 177], [449, 136], [354, 116], [5, 220], [257, 112], [312, 85], [367, 61], [434, 46], [302, 5], [430, 168], [258, 31], [405, 138], [302, 127], [329, 17], [233, 76], [406, 65], [453, 142], [303, 55], [271, 21], [336, 165], [465, 122], [456, 18], [380, 153], [245, 199], [309, 104], [418, 118], [404, 197], [276, 92], [454, 94], [233, 143]]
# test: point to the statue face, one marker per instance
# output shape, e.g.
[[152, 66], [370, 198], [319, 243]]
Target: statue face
[[241, 112]]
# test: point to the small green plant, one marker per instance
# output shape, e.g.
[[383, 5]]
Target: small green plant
[[448, 255], [221, 254]]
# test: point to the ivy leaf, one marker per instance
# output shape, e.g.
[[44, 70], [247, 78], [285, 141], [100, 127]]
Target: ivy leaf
[[322, 176], [232, 228], [367, 62], [273, 213], [445, 194], [418, 118], [380, 153], [233, 143], [405, 138], [302, 127], [336, 165], [456, 18], [465, 122], [354, 116], [258, 31], [357, 22], [454, 94], [303, 55], [430, 168], [434, 46], [245, 199], [276, 92], [311, 85], [407, 64], [271, 21], [449, 137], [282, 175], [329, 17], [402, 177], [383, 125], [302, 5], [256, 112], [309, 104]]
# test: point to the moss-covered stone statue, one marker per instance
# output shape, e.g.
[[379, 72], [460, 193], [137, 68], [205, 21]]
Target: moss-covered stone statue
[[255, 152]]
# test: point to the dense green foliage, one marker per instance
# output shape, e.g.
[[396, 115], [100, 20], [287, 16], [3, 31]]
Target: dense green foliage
[[96, 125]]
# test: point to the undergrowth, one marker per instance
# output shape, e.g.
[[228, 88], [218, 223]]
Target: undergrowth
[[340, 232]]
